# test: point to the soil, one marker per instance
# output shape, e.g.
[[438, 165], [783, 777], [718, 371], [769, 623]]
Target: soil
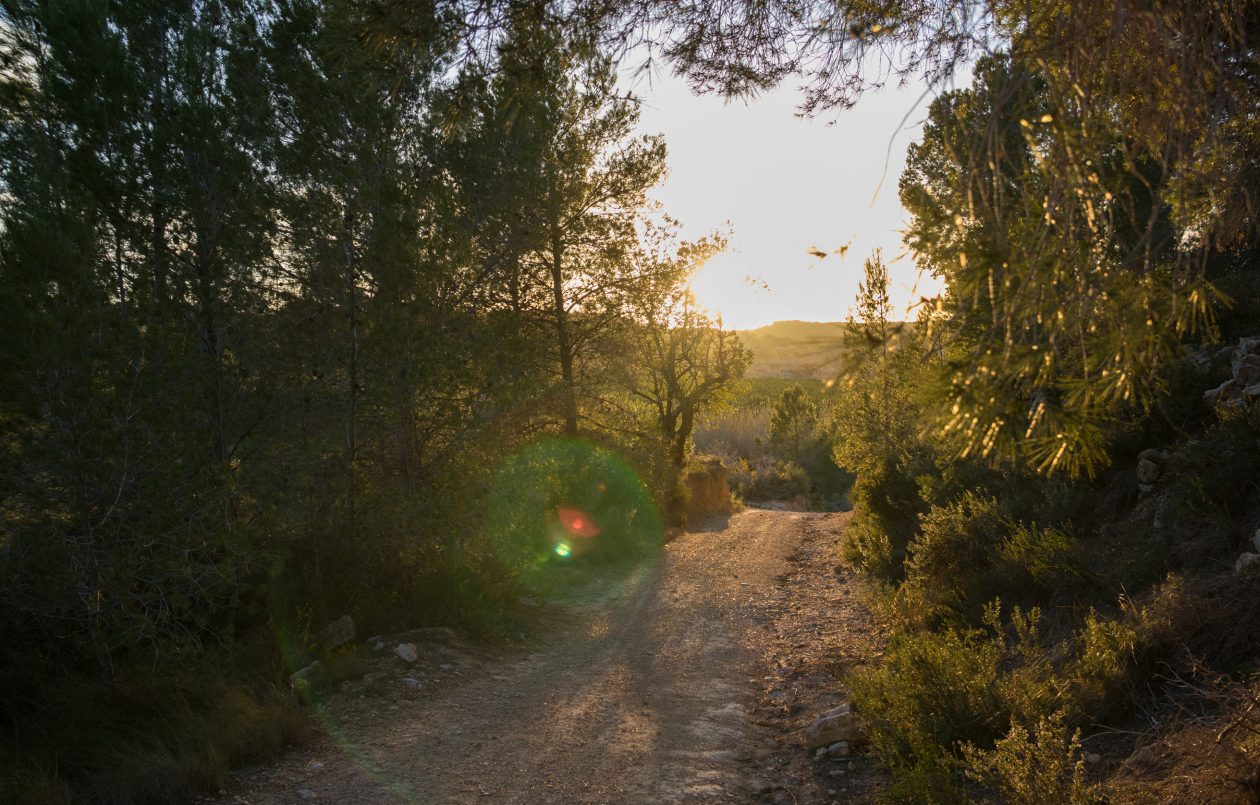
[[687, 680]]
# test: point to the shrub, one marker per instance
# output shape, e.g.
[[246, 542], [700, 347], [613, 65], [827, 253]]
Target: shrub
[[146, 736], [950, 563], [734, 432], [1042, 766], [934, 692], [886, 505], [765, 478], [970, 552]]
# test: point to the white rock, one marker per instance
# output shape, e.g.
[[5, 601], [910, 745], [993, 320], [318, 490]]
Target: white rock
[[1246, 346], [378, 645], [820, 753], [837, 724], [305, 677], [410, 683], [315, 765], [337, 633], [1245, 560], [842, 710], [839, 749], [446, 666], [1214, 397], [407, 652], [1248, 370], [305, 793]]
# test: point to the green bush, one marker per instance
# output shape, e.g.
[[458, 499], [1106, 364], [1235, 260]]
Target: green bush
[[933, 693], [1041, 766], [950, 563], [970, 552], [886, 506], [766, 478]]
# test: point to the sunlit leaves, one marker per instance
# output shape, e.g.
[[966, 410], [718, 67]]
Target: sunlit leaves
[[1064, 282]]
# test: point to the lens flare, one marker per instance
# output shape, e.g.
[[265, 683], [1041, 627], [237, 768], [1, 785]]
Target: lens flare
[[576, 522], [564, 550]]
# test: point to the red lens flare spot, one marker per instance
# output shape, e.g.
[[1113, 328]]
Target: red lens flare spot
[[577, 522]]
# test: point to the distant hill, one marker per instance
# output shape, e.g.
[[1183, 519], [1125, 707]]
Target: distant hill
[[796, 349]]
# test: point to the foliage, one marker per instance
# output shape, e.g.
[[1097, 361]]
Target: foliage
[[276, 305], [153, 737], [793, 423], [765, 478], [798, 435], [933, 693], [560, 499], [970, 552], [1039, 766], [875, 429], [1103, 159], [1036, 374]]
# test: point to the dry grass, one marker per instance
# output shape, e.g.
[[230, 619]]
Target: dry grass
[[145, 737], [1204, 758]]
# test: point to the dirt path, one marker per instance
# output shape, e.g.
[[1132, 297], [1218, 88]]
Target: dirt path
[[683, 682]]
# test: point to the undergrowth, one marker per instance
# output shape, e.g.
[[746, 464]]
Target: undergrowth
[[145, 736], [1028, 634]]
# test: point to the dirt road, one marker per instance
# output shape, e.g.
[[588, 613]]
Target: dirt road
[[683, 682]]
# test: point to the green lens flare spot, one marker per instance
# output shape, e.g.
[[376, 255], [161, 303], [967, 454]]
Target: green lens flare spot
[[558, 501]]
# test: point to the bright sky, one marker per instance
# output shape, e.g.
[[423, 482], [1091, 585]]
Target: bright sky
[[787, 184]]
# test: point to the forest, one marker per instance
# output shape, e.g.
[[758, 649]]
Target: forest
[[322, 307]]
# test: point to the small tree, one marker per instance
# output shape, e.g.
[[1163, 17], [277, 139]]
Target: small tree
[[876, 426], [794, 424], [682, 361]]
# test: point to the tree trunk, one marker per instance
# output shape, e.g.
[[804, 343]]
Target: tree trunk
[[568, 399]]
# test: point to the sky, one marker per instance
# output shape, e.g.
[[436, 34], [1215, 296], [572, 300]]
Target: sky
[[786, 184]]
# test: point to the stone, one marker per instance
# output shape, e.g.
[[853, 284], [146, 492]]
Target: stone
[[1248, 370], [337, 634], [304, 677], [406, 652], [1246, 346], [1147, 471], [1252, 392], [1154, 455], [446, 666], [315, 765], [1199, 358], [839, 749], [305, 793], [837, 724], [1244, 561], [1093, 759], [842, 710], [378, 645], [410, 683], [820, 753], [1255, 539], [1214, 397]]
